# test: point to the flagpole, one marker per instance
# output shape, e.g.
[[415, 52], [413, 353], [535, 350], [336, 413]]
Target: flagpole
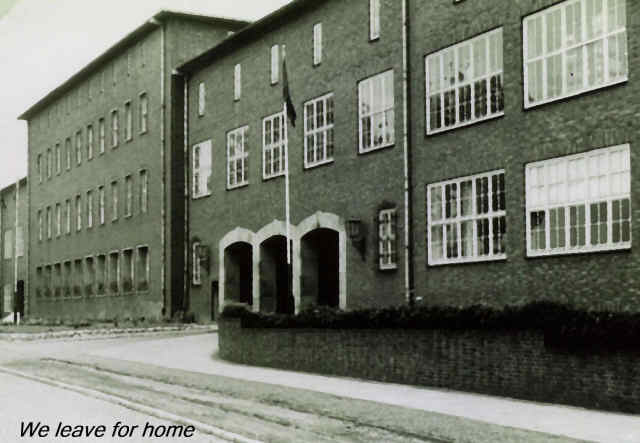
[[287, 204]]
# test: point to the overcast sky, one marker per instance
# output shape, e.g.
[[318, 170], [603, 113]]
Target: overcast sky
[[44, 42]]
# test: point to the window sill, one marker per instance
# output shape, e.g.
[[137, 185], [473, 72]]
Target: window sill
[[200, 196], [465, 124], [587, 250], [377, 148], [237, 186], [308, 166], [528, 105], [387, 268], [274, 176], [143, 132], [460, 261], [127, 140]]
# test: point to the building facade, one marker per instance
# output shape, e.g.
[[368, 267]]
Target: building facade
[[13, 241], [519, 153], [104, 178]]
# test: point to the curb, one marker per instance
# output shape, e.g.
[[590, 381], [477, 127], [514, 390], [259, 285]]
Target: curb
[[138, 407]]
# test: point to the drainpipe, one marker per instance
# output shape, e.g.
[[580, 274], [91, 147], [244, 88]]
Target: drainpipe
[[407, 160], [2, 251], [185, 160], [16, 315]]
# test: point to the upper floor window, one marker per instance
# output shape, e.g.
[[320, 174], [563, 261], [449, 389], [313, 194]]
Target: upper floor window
[[101, 135], [78, 213], [376, 111], [466, 219], [579, 203], [238, 157], [49, 163], [275, 64], [89, 209], [318, 131], [114, 200], [237, 82], [67, 146], [144, 113], [78, 147], [201, 169], [58, 219], [89, 142], [40, 225], [387, 239], [40, 168], [101, 204], [374, 19], [115, 128], [196, 263], [128, 121], [67, 216], [317, 44], [274, 145], [201, 98], [128, 202], [464, 83], [58, 159], [144, 191], [573, 47]]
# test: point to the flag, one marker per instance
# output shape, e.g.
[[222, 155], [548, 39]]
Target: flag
[[286, 94]]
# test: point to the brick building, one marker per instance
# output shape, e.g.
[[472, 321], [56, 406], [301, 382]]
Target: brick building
[[518, 144], [13, 238], [105, 181]]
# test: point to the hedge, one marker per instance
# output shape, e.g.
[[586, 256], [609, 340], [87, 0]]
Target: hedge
[[563, 326]]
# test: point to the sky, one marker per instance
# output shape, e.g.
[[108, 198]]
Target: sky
[[44, 42]]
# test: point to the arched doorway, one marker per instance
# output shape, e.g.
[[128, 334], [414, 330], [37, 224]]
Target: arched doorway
[[238, 265], [275, 277], [320, 270]]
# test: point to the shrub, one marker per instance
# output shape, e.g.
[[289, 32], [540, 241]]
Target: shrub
[[235, 310]]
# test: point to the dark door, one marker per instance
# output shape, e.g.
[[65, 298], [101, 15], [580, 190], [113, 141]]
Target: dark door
[[214, 300]]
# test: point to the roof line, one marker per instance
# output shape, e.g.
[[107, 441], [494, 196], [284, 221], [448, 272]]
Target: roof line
[[149, 24]]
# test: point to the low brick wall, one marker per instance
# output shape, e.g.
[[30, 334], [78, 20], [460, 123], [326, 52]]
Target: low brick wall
[[511, 365]]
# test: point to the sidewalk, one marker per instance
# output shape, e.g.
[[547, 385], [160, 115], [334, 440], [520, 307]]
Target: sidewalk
[[199, 353]]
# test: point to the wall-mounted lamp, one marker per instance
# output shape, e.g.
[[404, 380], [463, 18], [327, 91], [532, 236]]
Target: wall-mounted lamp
[[355, 231]]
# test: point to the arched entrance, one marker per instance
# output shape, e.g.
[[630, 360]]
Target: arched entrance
[[275, 278], [320, 255], [238, 265]]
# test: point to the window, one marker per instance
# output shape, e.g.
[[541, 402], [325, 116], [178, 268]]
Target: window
[[318, 131], [114, 272], [101, 278], [67, 216], [128, 122], [579, 203], [465, 83], [467, 219], [8, 244], [114, 128], [58, 219], [317, 44], [57, 279], [89, 209], [375, 104], [66, 290], [67, 144], [573, 47], [275, 64], [144, 113], [101, 135], [142, 54], [237, 82], [238, 157], [128, 203], [142, 271], [144, 191], [201, 99], [78, 277], [101, 204], [78, 213], [274, 145], [78, 147], [127, 270], [49, 163], [90, 276], [58, 159], [114, 200], [40, 168], [196, 263], [89, 142], [201, 169], [387, 244], [374, 19]]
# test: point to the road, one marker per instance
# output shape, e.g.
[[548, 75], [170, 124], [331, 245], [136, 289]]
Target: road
[[24, 400]]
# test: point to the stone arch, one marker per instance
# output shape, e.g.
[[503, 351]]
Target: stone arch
[[237, 235], [319, 221]]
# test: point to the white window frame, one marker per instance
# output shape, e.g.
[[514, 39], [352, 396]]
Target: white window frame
[[489, 213], [101, 204], [321, 134], [374, 19], [128, 121], [197, 268], [275, 64], [237, 82], [484, 64], [238, 157], [317, 44], [78, 212], [89, 142], [67, 211], [269, 147], [201, 169], [384, 109], [58, 219], [114, 200], [144, 191], [115, 128], [580, 45], [89, 209], [558, 177], [58, 159], [101, 135], [144, 112], [79, 148], [202, 96], [387, 239], [40, 225], [128, 196], [68, 147]]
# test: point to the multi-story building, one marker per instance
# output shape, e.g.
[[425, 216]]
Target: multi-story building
[[13, 241], [104, 180], [509, 180]]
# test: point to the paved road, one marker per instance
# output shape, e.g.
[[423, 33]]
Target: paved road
[[22, 400]]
